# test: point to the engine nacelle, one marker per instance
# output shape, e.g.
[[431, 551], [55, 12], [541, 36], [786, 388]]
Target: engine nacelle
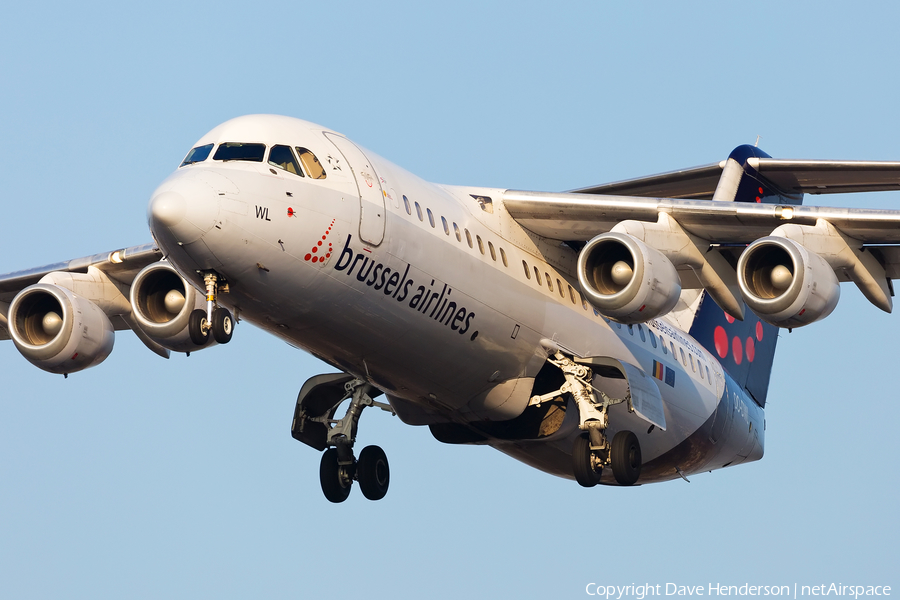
[[58, 331], [627, 280], [161, 304], [785, 284]]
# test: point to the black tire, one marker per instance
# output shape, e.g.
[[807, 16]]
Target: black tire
[[625, 456], [585, 474], [196, 329], [373, 472], [222, 325], [333, 485]]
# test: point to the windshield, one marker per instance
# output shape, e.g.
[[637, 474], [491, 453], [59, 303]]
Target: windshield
[[198, 154], [240, 151]]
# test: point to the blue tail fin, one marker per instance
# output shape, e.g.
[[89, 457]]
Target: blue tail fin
[[741, 182], [745, 348]]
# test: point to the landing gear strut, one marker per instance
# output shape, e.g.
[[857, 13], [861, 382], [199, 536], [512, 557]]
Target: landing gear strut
[[339, 468], [592, 451], [215, 320]]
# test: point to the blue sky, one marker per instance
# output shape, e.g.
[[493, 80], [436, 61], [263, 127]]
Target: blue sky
[[146, 478]]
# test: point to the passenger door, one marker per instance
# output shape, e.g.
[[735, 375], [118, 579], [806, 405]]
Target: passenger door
[[368, 184]]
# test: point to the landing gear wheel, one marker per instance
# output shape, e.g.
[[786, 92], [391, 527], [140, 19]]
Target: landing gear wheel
[[582, 462], [373, 472], [332, 476], [197, 327], [625, 456], [222, 325]]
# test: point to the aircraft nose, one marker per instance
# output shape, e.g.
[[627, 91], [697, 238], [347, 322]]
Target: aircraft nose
[[182, 209], [167, 209]]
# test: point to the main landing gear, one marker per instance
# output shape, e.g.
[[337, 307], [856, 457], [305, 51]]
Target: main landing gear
[[592, 450], [215, 321], [314, 425]]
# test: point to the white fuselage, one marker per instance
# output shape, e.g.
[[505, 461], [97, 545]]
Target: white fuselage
[[433, 294]]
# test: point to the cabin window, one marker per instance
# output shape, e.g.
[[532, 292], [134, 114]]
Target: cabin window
[[653, 339], [693, 366], [493, 254], [663, 342], [469, 238], [240, 151], [527, 272], [456, 231], [683, 359], [198, 154], [446, 227], [480, 244], [311, 163], [708, 378], [672, 348], [419, 212], [430, 216], [406, 204], [562, 290], [503, 257], [283, 158], [549, 281], [537, 276], [572, 295], [641, 331], [631, 330]]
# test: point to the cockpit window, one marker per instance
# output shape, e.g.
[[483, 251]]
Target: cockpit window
[[311, 163], [283, 158], [240, 151], [198, 154]]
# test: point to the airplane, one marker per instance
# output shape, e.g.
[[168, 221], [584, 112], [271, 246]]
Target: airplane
[[620, 334]]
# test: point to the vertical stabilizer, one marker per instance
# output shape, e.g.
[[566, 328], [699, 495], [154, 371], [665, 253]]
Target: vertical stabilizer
[[746, 348]]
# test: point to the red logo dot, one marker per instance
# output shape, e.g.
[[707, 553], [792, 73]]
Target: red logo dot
[[721, 340], [751, 349], [737, 350], [759, 330], [729, 318], [315, 250], [307, 257]]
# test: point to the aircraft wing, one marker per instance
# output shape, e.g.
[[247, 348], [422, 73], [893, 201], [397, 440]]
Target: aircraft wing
[[119, 265], [580, 217], [792, 176]]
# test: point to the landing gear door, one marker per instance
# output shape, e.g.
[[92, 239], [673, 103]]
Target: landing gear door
[[368, 184], [645, 397]]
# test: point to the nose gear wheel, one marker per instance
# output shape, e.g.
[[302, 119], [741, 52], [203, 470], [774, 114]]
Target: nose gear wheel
[[215, 321]]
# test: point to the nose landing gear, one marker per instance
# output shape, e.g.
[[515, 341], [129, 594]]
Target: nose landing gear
[[215, 320]]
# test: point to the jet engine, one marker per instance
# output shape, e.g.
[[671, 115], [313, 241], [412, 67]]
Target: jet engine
[[161, 304], [785, 284], [627, 280], [58, 331]]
